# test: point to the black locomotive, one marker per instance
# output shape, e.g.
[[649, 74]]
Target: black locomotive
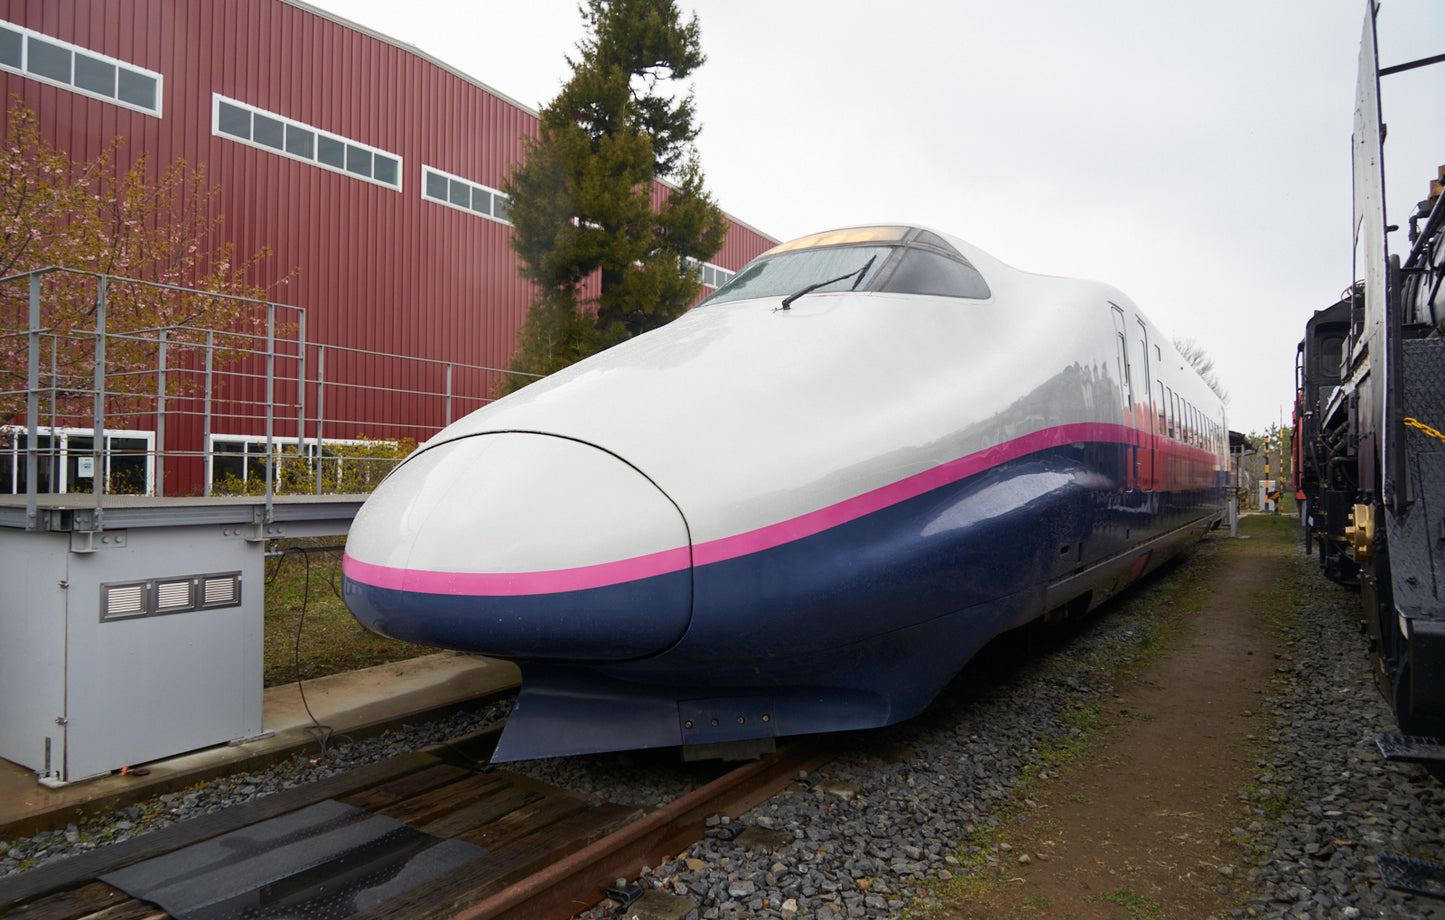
[[1369, 447]]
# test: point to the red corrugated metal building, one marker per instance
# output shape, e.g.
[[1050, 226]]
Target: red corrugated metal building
[[367, 165]]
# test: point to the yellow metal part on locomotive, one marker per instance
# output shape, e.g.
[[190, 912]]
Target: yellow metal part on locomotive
[[1361, 532]]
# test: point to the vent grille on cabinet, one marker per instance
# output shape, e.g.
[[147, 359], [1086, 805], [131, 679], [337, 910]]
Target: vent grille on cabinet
[[122, 601], [159, 596], [222, 590], [174, 596]]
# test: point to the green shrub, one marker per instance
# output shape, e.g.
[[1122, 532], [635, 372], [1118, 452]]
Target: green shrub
[[345, 469]]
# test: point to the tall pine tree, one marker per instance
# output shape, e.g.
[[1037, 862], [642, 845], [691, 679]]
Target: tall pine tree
[[582, 198]]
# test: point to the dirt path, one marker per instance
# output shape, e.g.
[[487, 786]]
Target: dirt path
[[1143, 828]]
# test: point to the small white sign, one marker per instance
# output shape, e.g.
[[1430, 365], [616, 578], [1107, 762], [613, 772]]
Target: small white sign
[[85, 467]]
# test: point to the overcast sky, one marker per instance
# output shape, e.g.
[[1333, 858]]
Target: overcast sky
[[1196, 156]]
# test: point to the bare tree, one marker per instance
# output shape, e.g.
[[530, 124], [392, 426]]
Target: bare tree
[[1200, 360]]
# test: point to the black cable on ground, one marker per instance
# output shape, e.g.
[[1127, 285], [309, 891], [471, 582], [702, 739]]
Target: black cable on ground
[[322, 733]]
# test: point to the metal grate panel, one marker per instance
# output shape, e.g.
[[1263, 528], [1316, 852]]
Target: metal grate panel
[[1423, 378], [327, 861], [1406, 873]]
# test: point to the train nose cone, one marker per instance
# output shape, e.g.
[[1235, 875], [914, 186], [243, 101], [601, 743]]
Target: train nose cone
[[521, 545]]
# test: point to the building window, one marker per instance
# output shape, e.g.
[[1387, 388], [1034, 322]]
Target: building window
[[66, 460], [238, 121], [80, 70], [713, 276], [462, 194], [236, 464]]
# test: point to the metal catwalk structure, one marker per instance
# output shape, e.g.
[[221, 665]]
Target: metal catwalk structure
[[141, 481]]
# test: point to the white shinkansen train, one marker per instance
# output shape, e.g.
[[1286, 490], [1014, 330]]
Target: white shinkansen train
[[801, 507]]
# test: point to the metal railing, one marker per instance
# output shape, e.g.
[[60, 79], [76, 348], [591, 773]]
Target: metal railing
[[250, 396]]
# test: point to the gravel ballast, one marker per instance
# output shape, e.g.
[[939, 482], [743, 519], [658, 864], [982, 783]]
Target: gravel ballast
[[879, 831]]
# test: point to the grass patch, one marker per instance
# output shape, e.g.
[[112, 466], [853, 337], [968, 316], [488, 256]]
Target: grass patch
[[1136, 904], [1282, 525], [332, 642]]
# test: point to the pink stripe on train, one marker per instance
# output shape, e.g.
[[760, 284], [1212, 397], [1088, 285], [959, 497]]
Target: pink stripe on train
[[509, 584]]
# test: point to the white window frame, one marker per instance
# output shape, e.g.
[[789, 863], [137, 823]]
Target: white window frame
[[23, 70], [721, 275], [217, 99], [20, 433], [308, 450], [490, 214]]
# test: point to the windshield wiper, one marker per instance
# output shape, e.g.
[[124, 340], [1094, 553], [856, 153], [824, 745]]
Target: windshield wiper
[[860, 272]]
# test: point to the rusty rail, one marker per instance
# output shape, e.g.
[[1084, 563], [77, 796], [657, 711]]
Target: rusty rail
[[574, 884]]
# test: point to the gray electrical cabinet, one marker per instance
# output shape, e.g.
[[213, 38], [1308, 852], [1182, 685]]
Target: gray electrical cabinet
[[144, 644], [140, 640]]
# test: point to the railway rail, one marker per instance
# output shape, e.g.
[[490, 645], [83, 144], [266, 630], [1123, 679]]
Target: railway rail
[[501, 845]]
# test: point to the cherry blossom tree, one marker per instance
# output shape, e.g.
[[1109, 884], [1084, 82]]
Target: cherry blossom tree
[[156, 226]]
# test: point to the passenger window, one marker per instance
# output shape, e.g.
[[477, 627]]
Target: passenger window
[[1124, 373], [1126, 386]]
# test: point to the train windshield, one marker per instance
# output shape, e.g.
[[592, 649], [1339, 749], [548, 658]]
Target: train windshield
[[789, 272], [920, 266], [926, 271]]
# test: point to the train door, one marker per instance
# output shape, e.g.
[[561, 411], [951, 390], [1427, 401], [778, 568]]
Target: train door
[[1146, 407], [1126, 384]]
